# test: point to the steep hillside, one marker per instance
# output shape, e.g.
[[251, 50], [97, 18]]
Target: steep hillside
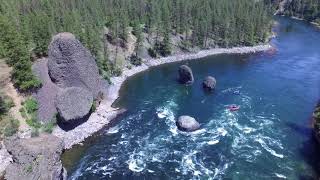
[[304, 9]]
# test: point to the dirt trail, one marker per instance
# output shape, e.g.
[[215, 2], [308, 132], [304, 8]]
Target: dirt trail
[[7, 87]]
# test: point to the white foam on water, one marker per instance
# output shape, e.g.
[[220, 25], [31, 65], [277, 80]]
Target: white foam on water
[[199, 131], [220, 171], [267, 148], [213, 142], [136, 164], [191, 164], [232, 89], [222, 131], [112, 158], [161, 115], [187, 163], [248, 130], [245, 129], [163, 112], [167, 112], [281, 176], [113, 130]]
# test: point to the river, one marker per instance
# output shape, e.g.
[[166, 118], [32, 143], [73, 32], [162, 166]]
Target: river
[[270, 137]]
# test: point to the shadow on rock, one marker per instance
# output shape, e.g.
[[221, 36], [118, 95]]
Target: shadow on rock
[[71, 124]]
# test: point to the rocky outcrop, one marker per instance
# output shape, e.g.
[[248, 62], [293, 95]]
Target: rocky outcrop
[[209, 83], [35, 158], [5, 160], [185, 75], [70, 79], [71, 64], [187, 123], [46, 94], [73, 104]]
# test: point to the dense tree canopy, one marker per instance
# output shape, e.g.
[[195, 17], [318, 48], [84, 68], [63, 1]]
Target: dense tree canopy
[[305, 9], [222, 23]]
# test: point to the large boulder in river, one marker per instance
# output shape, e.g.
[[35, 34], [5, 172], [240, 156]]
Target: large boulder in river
[[209, 83], [185, 75], [73, 105], [187, 123], [70, 64]]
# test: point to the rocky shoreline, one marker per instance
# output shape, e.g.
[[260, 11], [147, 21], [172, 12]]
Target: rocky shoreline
[[105, 113]]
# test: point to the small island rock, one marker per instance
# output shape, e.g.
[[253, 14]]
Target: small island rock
[[187, 123], [73, 105], [185, 75], [209, 83]]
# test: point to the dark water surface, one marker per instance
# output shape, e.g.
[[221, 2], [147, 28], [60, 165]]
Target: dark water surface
[[268, 138]]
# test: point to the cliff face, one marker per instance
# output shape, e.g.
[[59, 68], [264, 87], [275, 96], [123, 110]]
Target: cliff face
[[35, 158], [70, 64]]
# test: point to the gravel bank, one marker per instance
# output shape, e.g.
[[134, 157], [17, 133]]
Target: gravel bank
[[106, 113]]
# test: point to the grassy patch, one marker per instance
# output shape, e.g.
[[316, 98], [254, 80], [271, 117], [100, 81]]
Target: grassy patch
[[48, 127], [8, 126], [31, 105], [6, 104], [29, 168]]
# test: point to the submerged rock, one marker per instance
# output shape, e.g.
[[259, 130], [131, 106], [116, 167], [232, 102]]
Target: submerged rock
[[187, 123], [73, 105], [209, 83], [35, 158], [185, 75]]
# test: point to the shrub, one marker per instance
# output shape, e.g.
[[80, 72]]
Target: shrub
[[117, 71], [94, 106], [9, 126], [48, 128], [23, 113], [29, 168], [6, 104], [162, 48], [34, 132], [107, 78], [33, 122], [152, 52], [135, 60], [31, 105]]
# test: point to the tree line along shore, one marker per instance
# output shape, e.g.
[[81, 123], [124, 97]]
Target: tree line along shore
[[105, 26], [126, 37], [122, 33]]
